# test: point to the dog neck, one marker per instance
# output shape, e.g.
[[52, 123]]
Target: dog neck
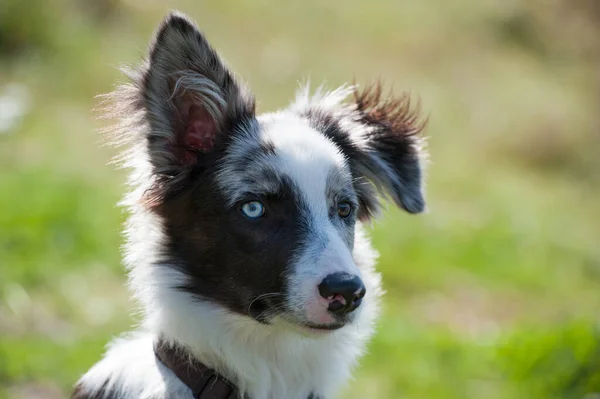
[[263, 361]]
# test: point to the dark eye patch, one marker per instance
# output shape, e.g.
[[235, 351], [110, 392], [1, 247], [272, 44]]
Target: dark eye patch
[[227, 257]]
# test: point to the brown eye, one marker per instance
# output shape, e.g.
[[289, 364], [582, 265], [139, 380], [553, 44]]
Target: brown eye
[[344, 209]]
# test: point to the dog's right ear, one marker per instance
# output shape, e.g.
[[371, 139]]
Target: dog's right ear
[[190, 98]]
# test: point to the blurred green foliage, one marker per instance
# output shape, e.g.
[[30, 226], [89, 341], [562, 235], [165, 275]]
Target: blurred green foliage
[[555, 363], [492, 294]]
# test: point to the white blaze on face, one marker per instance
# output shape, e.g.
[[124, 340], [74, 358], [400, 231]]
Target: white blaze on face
[[306, 157], [312, 162]]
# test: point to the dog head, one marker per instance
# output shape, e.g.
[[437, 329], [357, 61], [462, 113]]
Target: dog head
[[259, 212]]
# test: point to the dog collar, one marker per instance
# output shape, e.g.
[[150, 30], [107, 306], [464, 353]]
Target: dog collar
[[204, 382]]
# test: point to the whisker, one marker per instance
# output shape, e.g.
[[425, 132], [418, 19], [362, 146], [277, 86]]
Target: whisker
[[271, 312], [263, 296]]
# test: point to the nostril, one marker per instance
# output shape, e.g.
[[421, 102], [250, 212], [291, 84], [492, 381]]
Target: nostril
[[361, 293], [357, 300], [343, 291], [355, 304]]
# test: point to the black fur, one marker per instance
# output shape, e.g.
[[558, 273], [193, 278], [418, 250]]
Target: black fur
[[227, 257]]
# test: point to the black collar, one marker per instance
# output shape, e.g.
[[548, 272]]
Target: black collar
[[204, 382]]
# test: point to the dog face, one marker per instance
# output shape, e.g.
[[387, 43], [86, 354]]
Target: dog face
[[259, 212]]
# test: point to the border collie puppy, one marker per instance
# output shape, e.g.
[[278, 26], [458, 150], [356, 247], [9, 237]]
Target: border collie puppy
[[245, 245]]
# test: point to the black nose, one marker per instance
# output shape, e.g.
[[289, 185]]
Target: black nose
[[344, 292]]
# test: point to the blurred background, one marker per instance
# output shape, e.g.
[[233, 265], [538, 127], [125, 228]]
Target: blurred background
[[493, 294]]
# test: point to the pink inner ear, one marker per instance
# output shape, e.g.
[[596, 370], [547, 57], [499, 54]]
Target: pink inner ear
[[200, 132]]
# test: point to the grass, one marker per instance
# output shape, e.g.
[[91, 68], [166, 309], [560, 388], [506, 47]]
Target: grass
[[493, 293]]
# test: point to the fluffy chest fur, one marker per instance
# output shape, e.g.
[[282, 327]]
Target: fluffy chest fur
[[245, 241]]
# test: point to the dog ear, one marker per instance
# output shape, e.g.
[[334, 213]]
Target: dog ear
[[380, 137], [391, 149], [190, 97]]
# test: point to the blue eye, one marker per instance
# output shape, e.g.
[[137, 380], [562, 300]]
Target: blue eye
[[253, 209]]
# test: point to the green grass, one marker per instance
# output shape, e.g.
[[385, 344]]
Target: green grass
[[494, 293]]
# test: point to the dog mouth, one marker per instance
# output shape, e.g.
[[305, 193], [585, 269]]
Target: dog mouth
[[266, 310], [324, 327], [308, 328]]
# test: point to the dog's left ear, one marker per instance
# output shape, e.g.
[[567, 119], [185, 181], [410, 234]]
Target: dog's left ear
[[391, 147], [380, 136]]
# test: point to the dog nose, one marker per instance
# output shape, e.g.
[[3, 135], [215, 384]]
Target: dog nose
[[343, 291]]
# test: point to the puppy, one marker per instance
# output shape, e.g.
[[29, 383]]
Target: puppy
[[245, 242]]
